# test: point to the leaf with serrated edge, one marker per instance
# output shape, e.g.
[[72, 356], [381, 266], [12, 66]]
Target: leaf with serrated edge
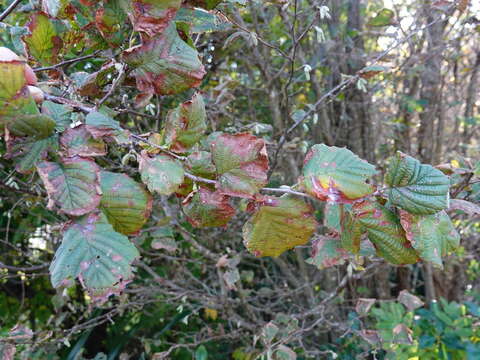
[[327, 252], [38, 125], [433, 236], [414, 187], [43, 41], [186, 124], [242, 164], [200, 163], [79, 142], [206, 208], [99, 125], [125, 202], [336, 174], [161, 173], [72, 185], [278, 225], [95, 254], [151, 16], [29, 151], [15, 97], [60, 113], [385, 232], [165, 64]]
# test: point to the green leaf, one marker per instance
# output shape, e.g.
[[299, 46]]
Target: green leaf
[[43, 42], [206, 208], [72, 185], [60, 113], [126, 204], [383, 18], [201, 21], [385, 232], [165, 64], [79, 142], [151, 16], [278, 225], [200, 163], [164, 238], [95, 254], [351, 233], [27, 152], [185, 125], [327, 252], [100, 125], [161, 174], [206, 4], [111, 21], [414, 187], [15, 98], [336, 174], [433, 236], [242, 164], [201, 353], [38, 126]]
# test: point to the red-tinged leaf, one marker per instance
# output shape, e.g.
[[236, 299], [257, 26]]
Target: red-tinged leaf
[[364, 305], [200, 163], [72, 185], [15, 98], [186, 124], [165, 64], [161, 173], [95, 84], [111, 21], [433, 236], [415, 187], [410, 301], [279, 225], [151, 17], [95, 254], [242, 164], [336, 174], [79, 142], [385, 232], [29, 151], [465, 206], [57, 8], [101, 125], [206, 208], [327, 252], [43, 42], [126, 203]]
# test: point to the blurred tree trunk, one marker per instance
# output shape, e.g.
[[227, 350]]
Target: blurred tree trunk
[[472, 91], [431, 85]]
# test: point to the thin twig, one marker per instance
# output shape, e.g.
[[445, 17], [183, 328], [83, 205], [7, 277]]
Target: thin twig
[[66, 62], [115, 84], [9, 9]]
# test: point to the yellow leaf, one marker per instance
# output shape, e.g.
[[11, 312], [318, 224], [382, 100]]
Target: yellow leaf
[[211, 314]]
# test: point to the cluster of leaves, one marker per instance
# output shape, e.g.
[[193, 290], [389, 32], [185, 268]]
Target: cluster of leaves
[[61, 140], [407, 329]]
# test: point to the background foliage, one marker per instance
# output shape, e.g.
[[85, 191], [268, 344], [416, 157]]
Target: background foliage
[[135, 175]]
